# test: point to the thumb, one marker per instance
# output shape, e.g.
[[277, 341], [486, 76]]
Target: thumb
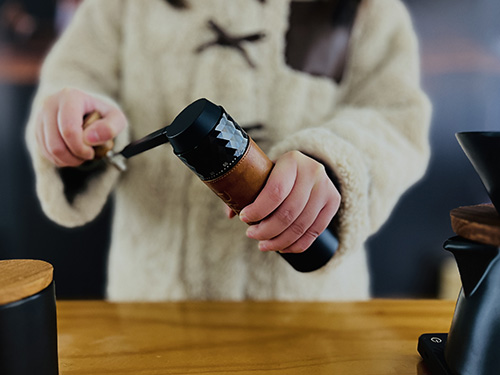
[[105, 129]]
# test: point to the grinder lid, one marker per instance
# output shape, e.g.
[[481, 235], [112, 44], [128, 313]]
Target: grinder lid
[[22, 278], [193, 124]]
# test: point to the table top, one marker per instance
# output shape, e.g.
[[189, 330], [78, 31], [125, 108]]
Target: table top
[[373, 337]]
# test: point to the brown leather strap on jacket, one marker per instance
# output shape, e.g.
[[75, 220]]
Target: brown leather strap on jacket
[[318, 36]]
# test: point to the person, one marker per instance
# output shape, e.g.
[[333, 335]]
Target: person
[[345, 151]]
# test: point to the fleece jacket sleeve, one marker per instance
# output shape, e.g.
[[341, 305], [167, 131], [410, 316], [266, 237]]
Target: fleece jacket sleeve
[[376, 139], [86, 57]]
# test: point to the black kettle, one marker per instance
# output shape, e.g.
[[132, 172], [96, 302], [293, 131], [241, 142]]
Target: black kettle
[[473, 342]]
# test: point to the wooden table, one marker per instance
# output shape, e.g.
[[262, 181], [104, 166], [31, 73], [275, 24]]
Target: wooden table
[[373, 338]]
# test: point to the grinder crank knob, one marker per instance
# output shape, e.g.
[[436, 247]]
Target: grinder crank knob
[[100, 150]]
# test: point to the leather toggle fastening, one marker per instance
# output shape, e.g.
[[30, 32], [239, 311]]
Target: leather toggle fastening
[[183, 3], [224, 39]]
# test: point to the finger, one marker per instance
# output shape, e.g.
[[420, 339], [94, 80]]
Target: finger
[[45, 110], [55, 145], [284, 216], [304, 242], [322, 206], [295, 230], [277, 188], [69, 122], [105, 129], [229, 212], [98, 133], [308, 180], [40, 138]]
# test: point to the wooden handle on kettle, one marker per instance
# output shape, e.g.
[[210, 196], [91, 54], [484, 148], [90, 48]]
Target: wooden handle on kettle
[[100, 150]]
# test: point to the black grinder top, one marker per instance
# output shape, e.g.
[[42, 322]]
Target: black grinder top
[[207, 139]]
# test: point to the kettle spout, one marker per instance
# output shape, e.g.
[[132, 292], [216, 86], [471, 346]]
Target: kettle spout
[[474, 261]]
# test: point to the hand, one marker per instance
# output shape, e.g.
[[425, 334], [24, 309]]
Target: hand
[[296, 205], [59, 131]]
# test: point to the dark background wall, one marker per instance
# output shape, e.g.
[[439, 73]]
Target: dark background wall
[[460, 43], [78, 255]]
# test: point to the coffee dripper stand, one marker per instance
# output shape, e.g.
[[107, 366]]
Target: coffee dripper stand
[[471, 346]]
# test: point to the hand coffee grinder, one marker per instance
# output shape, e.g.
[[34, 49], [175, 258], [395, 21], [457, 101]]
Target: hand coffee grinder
[[472, 345]]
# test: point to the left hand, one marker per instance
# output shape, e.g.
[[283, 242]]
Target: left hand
[[295, 206]]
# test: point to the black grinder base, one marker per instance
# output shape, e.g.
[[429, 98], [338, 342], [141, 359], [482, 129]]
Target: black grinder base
[[431, 349]]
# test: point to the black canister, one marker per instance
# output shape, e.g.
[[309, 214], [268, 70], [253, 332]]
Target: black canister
[[28, 324]]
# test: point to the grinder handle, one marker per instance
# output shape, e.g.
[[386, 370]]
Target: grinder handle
[[100, 150]]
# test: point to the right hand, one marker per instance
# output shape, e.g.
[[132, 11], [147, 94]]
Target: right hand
[[59, 132]]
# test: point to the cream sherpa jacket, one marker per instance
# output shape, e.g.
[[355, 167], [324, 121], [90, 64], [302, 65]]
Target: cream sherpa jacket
[[170, 237]]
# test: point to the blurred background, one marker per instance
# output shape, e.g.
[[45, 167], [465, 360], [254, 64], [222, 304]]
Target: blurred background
[[460, 46]]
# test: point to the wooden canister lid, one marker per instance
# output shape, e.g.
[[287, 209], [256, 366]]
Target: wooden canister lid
[[480, 223], [21, 278]]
